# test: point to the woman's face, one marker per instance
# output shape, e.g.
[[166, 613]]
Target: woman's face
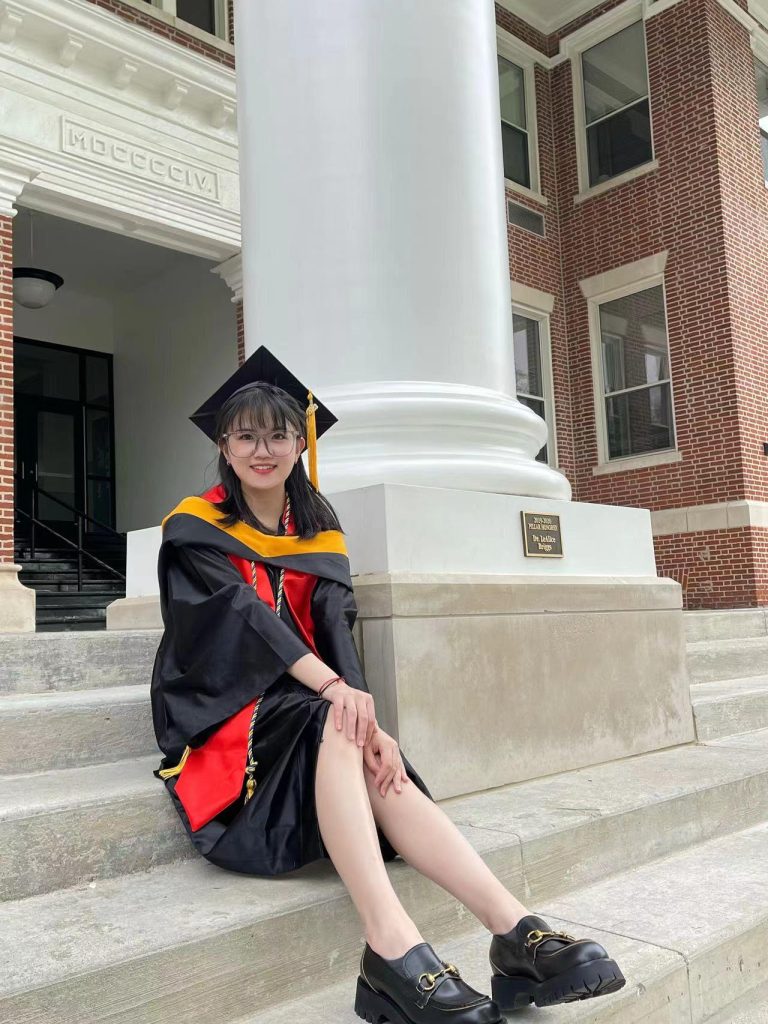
[[262, 470]]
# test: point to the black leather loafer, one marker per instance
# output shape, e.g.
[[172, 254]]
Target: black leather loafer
[[418, 988], [533, 964]]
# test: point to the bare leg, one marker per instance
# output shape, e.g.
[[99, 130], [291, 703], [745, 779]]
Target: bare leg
[[348, 830], [425, 837]]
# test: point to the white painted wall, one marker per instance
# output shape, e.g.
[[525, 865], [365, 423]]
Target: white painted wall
[[175, 342], [73, 317]]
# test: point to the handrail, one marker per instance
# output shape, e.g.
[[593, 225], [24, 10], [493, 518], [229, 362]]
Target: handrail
[[79, 512], [35, 521], [81, 550]]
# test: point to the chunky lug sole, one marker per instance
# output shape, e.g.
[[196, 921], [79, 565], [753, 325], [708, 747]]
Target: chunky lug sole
[[377, 1008], [597, 978]]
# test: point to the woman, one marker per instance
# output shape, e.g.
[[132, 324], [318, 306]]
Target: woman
[[273, 755]]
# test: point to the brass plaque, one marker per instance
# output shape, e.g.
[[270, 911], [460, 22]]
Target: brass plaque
[[541, 535]]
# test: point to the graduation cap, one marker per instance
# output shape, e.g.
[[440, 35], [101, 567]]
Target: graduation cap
[[260, 367]]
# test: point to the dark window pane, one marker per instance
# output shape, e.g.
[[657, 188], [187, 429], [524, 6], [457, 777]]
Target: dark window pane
[[639, 421], [198, 12], [48, 372], [97, 380], [538, 408], [99, 504], [524, 218], [634, 340], [615, 72], [512, 93], [98, 442], [56, 464], [619, 143], [515, 145], [527, 356]]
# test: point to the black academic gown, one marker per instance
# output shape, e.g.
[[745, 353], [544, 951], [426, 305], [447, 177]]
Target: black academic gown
[[222, 646]]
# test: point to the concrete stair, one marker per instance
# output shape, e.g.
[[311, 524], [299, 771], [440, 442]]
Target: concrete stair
[[107, 914]]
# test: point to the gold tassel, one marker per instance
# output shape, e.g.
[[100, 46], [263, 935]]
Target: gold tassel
[[168, 773], [312, 440]]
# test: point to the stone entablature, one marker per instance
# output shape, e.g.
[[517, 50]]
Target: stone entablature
[[119, 127]]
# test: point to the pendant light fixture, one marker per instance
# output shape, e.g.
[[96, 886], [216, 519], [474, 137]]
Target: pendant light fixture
[[32, 286]]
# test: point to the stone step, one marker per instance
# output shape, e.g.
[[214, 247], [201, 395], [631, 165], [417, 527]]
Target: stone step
[[188, 942], [685, 958], [729, 624], [41, 731], [65, 828], [654, 992], [731, 706], [34, 662], [569, 826], [710, 660]]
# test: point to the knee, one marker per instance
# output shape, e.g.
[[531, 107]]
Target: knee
[[338, 741]]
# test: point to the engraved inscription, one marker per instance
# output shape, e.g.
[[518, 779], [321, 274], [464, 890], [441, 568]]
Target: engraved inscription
[[541, 535], [112, 151]]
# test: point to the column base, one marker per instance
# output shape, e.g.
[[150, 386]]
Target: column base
[[17, 602], [135, 613], [495, 680]]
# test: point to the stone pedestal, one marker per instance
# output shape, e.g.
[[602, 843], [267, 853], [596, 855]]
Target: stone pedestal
[[17, 602]]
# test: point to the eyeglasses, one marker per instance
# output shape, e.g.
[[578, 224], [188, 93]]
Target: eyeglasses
[[242, 444]]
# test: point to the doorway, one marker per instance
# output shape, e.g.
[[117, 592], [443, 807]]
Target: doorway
[[64, 429]]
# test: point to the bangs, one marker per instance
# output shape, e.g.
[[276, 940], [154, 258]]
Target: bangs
[[264, 409]]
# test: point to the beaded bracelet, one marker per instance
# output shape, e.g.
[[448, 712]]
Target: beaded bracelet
[[336, 679]]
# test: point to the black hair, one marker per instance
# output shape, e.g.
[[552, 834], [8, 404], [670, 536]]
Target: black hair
[[267, 406]]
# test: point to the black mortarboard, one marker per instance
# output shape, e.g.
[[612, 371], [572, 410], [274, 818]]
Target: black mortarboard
[[263, 366]]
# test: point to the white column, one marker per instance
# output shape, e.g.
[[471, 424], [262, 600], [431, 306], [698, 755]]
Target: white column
[[374, 236]]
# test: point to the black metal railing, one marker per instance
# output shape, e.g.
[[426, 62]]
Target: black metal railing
[[82, 552]]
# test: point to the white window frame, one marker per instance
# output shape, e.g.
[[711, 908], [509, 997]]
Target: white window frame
[[537, 305], [525, 57], [573, 47], [628, 279], [220, 15]]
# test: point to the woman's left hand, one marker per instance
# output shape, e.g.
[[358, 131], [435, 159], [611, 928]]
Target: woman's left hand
[[381, 756]]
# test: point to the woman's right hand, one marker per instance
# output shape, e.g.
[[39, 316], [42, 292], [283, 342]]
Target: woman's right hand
[[358, 705]]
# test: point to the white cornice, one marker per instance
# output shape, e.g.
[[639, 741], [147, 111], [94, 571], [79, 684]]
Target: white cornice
[[142, 67], [548, 16], [231, 272], [13, 178]]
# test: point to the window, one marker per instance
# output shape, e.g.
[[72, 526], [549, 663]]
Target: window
[[209, 15], [514, 123], [532, 371], [761, 77], [635, 375], [616, 104]]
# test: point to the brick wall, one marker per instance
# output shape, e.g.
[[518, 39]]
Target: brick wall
[[160, 27], [6, 390], [240, 334], [707, 205]]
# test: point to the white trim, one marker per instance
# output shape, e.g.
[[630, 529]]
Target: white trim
[[507, 46], [530, 12], [532, 299], [724, 515], [620, 179], [660, 458], [517, 50], [165, 11], [13, 178], [634, 277], [606, 287], [573, 46], [528, 193], [537, 311], [231, 272]]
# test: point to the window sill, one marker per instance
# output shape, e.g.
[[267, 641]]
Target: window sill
[[638, 462], [529, 193], [620, 179], [183, 26]]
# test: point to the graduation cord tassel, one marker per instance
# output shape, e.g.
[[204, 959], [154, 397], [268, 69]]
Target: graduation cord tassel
[[312, 440], [250, 770]]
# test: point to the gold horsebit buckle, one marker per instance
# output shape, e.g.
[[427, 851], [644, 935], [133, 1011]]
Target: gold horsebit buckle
[[432, 982], [533, 938]]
